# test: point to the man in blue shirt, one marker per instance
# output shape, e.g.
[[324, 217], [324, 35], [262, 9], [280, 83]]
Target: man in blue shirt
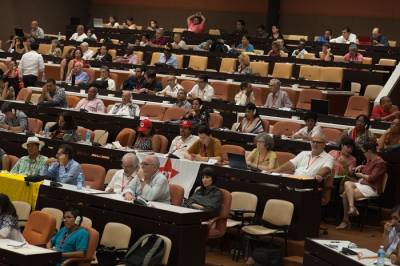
[[326, 37], [72, 240], [167, 57], [78, 76], [63, 168], [378, 39]]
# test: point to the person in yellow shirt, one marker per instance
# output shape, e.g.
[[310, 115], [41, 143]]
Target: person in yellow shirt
[[206, 148], [262, 157]]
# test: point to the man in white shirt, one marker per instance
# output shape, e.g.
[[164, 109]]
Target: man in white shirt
[[181, 143], [277, 98], [79, 35], [86, 53], [31, 66], [202, 90], [126, 107], [346, 37], [310, 130], [172, 88], [245, 95], [122, 178], [315, 163], [36, 31], [301, 50], [105, 76]]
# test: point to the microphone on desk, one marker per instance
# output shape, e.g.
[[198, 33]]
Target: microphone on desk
[[172, 155]]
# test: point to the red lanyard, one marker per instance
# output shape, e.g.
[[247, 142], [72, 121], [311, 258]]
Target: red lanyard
[[311, 160], [123, 184]]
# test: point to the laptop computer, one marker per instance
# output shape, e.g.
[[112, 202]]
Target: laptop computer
[[98, 23], [320, 106], [238, 161]]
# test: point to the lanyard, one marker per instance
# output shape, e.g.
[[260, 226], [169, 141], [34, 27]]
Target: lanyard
[[311, 160], [123, 184]]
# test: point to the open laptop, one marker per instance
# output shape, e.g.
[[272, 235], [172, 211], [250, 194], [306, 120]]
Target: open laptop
[[320, 106], [98, 23], [238, 161]]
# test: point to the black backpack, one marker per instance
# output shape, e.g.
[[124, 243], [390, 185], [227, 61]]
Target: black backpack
[[149, 254]]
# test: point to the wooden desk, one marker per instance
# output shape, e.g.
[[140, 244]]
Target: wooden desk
[[183, 226], [27, 255]]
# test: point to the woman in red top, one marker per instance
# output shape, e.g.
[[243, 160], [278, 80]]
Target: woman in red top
[[196, 23], [77, 57], [370, 184], [344, 162]]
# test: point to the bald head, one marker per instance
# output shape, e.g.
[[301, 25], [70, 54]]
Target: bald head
[[149, 166], [376, 32]]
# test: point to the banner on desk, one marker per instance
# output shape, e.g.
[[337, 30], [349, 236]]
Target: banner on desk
[[179, 172]]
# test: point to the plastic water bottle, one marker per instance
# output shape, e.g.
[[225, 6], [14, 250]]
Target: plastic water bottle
[[59, 36], [87, 137], [381, 257], [79, 182], [46, 132]]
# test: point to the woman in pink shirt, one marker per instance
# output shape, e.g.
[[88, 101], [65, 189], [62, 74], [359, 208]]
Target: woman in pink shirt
[[196, 23], [353, 55]]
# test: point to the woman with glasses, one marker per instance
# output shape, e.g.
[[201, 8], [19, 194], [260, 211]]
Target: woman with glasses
[[262, 157]]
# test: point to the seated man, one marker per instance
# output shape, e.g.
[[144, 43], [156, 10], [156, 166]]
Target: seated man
[[347, 37], [33, 163], [245, 95], [149, 184], [91, 103], [53, 95], [159, 39], [87, 54], [205, 148], [135, 81], [391, 238], [167, 57], [202, 90], [36, 31], [301, 50], [353, 55], [180, 144], [172, 87], [277, 98], [126, 107], [72, 240], [181, 100], [78, 76], [385, 111], [63, 168], [378, 39], [122, 179], [14, 120], [326, 37], [315, 163], [105, 77], [79, 35], [310, 130], [150, 84]]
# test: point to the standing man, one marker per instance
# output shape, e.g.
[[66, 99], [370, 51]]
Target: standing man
[[31, 66]]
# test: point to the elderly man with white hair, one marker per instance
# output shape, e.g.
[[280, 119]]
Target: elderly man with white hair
[[149, 184], [277, 98], [123, 178], [87, 54], [315, 163], [126, 107], [78, 75]]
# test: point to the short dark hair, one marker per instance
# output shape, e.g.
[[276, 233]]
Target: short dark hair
[[203, 77], [67, 150], [244, 84], [69, 121], [168, 47], [241, 21], [151, 74], [208, 171], [35, 46], [51, 80], [347, 29], [204, 130], [330, 30], [7, 107], [199, 100], [347, 141], [75, 213], [261, 27], [370, 145], [366, 120], [310, 115], [6, 206], [252, 107], [106, 68]]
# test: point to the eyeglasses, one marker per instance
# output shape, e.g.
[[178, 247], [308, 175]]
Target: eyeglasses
[[145, 164], [317, 142]]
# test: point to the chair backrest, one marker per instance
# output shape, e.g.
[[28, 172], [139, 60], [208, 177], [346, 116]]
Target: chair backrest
[[367, 60], [188, 84], [72, 100], [23, 210], [139, 55], [228, 65], [332, 134], [113, 52], [392, 43], [179, 61], [163, 144], [216, 120], [224, 91], [332, 74], [57, 214], [116, 235], [155, 57], [305, 97], [66, 49], [94, 175], [91, 73], [261, 95], [220, 226], [278, 212], [92, 245], [100, 136], [109, 175], [126, 137], [259, 68], [35, 125], [372, 91], [198, 62], [44, 48], [12, 160], [86, 222], [214, 32], [173, 113], [265, 124], [179, 30], [176, 194], [357, 105], [24, 94], [309, 72], [355, 88], [387, 62], [244, 200], [152, 111], [309, 56], [286, 128], [82, 132], [225, 149], [282, 70], [338, 58], [282, 157], [39, 228]]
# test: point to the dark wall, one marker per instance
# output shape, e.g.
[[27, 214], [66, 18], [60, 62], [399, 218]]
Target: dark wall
[[52, 15], [311, 17]]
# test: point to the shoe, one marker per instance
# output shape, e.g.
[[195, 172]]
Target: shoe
[[353, 211], [343, 225]]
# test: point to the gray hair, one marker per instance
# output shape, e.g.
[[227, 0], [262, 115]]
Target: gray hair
[[132, 157], [266, 138], [275, 82], [85, 44], [155, 160]]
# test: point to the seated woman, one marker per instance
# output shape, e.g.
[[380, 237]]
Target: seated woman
[[77, 58], [391, 236], [251, 123], [205, 148], [11, 75], [276, 50], [9, 220], [370, 182], [199, 115], [244, 64], [310, 130], [208, 197], [65, 129], [262, 157], [112, 22], [344, 162], [245, 45], [360, 133], [129, 58], [72, 240], [145, 140], [325, 54], [391, 137], [6, 91], [245, 95], [103, 55]]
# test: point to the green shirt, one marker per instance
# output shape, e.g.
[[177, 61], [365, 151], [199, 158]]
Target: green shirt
[[26, 166]]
